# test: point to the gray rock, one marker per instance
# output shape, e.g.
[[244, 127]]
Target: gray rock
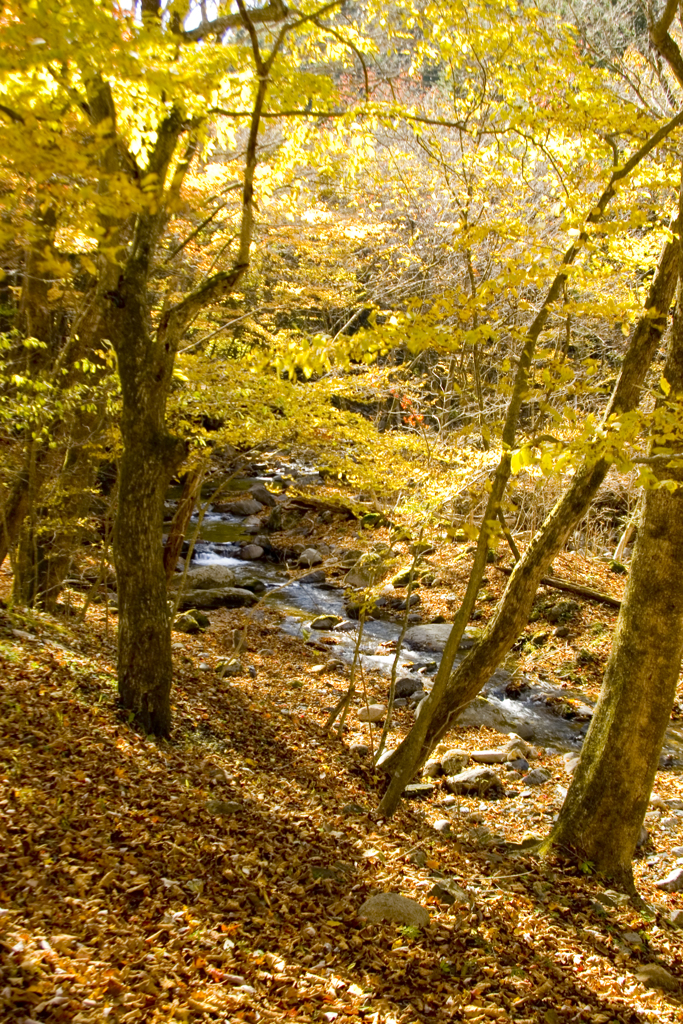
[[447, 891], [673, 882], [449, 801], [244, 507], [261, 494], [454, 761], [205, 577], [325, 622], [489, 756], [418, 858], [433, 637], [232, 667], [656, 976], [400, 702], [432, 769], [373, 713], [674, 804], [316, 576], [228, 597], [352, 809], [186, 623], [362, 749], [389, 906], [417, 696], [676, 918], [251, 552], [520, 764], [480, 781], [252, 524], [537, 777], [418, 791], [346, 626], [310, 557], [407, 685], [223, 808], [442, 825], [562, 610]]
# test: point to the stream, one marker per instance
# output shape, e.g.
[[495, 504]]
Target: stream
[[540, 712]]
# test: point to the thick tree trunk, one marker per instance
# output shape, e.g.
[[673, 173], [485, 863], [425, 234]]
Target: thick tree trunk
[[604, 808], [144, 669], [150, 458], [517, 601]]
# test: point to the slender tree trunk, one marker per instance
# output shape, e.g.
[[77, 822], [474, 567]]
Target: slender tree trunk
[[604, 808], [515, 605], [181, 519]]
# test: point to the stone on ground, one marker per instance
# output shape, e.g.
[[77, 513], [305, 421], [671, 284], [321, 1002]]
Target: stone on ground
[[656, 976], [454, 761], [482, 781], [672, 882], [310, 557], [373, 713], [389, 906]]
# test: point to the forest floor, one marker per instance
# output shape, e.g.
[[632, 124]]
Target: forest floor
[[219, 876]]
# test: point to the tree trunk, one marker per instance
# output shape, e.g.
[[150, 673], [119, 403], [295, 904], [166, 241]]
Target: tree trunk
[[604, 808], [515, 605], [181, 519], [151, 455]]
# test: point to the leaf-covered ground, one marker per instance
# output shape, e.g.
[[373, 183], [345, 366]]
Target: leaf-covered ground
[[219, 876]]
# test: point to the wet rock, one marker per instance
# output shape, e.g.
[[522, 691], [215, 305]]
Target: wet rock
[[325, 622], [481, 781], [373, 713], [317, 576], [252, 524], [418, 791], [537, 777], [309, 556], [261, 494], [673, 882], [256, 586], [251, 552], [345, 627], [433, 636], [389, 906], [229, 597], [243, 507], [454, 761], [656, 976]]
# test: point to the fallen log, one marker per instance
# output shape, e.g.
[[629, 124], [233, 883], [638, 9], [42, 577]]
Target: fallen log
[[570, 588]]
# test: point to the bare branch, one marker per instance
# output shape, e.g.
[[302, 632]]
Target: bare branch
[[274, 11]]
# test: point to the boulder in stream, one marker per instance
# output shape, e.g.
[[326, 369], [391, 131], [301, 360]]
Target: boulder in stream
[[227, 597], [205, 577]]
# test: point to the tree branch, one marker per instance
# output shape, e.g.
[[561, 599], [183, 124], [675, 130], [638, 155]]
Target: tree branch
[[274, 11]]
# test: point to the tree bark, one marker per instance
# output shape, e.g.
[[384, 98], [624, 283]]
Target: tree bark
[[515, 605], [150, 457], [602, 814]]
